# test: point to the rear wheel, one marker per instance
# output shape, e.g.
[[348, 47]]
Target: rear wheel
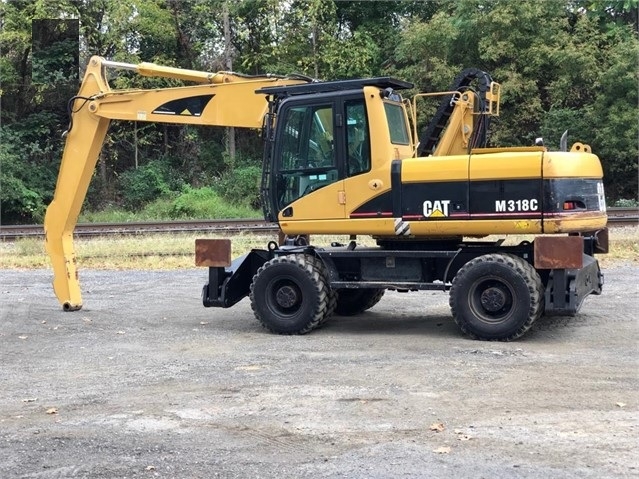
[[354, 301], [290, 295], [496, 297]]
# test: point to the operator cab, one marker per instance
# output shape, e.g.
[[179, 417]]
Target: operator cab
[[322, 135]]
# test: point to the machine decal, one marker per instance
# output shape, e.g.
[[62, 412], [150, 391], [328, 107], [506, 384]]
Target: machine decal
[[434, 201], [190, 106], [601, 195], [510, 206], [436, 209], [508, 199], [402, 228]]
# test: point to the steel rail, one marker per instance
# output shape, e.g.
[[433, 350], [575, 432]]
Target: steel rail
[[616, 217], [232, 226]]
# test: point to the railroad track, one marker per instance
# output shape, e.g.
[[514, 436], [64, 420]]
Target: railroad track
[[616, 217], [83, 230], [623, 216]]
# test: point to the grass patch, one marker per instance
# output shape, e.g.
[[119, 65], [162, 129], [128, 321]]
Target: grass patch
[[207, 203], [108, 215], [201, 203]]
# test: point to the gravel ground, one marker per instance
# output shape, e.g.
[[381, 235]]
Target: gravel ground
[[145, 382]]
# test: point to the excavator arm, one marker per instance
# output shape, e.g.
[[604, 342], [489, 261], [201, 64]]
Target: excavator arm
[[462, 120], [217, 99]]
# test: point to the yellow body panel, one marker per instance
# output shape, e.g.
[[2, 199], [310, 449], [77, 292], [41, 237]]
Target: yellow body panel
[[435, 168], [560, 164], [446, 228], [515, 165], [575, 223], [497, 164], [323, 204], [386, 227]]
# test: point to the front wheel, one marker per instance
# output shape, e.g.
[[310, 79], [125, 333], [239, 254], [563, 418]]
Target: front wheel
[[290, 295], [496, 297]]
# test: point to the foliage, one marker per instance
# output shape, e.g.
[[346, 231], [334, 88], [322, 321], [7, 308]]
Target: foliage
[[562, 65], [204, 203], [613, 113], [561, 68], [626, 203], [28, 172], [18, 202], [145, 184], [241, 186]]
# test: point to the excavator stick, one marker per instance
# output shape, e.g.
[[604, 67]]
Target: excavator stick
[[83, 145]]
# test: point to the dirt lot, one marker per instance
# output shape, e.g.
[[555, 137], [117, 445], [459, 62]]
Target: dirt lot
[[145, 382]]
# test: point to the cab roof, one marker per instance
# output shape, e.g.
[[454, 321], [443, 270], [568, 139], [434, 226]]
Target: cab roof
[[333, 86]]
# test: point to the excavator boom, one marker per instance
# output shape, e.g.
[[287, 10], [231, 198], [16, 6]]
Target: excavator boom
[[217, 99]]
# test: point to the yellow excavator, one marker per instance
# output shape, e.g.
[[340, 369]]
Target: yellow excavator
[[344, 158]]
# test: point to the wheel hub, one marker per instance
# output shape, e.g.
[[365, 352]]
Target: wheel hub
[[286, 296], [493, 299]]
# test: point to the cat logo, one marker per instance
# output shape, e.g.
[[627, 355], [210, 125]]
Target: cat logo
[[435, 209]]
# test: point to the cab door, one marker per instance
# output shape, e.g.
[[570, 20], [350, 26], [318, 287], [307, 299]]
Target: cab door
[[375, 135], [307, 180]]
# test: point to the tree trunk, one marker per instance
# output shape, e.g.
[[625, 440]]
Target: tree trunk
[[135, 143], [103, 175], [230, 131]]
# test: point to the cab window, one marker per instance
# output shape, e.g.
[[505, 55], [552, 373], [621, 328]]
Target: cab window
[[357, 138], [306, 161], [396, 123]]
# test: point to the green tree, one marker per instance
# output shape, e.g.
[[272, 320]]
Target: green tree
[[33, 110], [613, 114], [561, 68]]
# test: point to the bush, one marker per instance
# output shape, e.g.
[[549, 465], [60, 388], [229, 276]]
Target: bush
[[626, 203], [205, 203], [242, 186], [145, 184], [19, 203], [158, 210]]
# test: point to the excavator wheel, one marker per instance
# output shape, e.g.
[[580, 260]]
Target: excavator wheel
[[354, 301], [290, 295], [496, 297], [332, 304]]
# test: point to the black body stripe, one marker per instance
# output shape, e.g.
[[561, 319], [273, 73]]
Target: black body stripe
[[396, 188], [493, 199]]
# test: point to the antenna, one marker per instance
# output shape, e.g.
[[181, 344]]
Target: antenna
[[563, 142]]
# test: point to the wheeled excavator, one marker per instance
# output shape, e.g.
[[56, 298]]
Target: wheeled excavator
[[344, 158]]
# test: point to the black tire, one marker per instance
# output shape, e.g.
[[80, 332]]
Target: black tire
[[496, 297], [354, 301], [290, 295], [332, 304]]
